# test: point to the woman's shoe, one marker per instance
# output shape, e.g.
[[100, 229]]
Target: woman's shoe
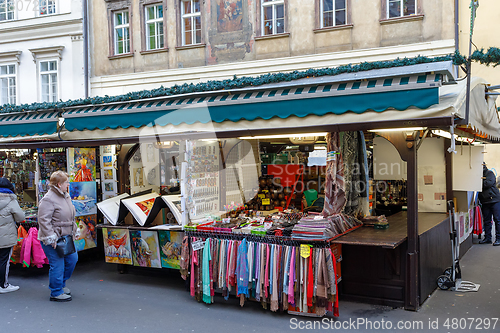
[[61, 298], [8, 289], [485, 241], [66, 291]]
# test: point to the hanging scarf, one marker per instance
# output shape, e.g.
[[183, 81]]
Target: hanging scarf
[[334, 186], [321, 291], [194, 262], [274, 280], [242, 269], [310, 279], [355, 172], [291, 281], [184, 262], [207, 256]]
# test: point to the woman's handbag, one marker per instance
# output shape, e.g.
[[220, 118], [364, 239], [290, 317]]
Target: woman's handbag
[[65, 246]]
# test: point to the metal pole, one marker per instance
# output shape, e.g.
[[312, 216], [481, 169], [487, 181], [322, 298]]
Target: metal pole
[[413, 301]]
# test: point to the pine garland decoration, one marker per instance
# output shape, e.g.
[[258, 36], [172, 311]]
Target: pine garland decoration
[[491, 57]]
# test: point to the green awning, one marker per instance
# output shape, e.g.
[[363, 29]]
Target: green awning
[[29, 124], [337, 98]]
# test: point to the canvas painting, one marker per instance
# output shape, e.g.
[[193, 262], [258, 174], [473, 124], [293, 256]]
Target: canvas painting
[[170, 248], [109, 187], [108, 173], [84, 197], [81, 164], [117, 246], [88, 235], [138, 179], [145, 251], [107, 161], [146, 205]]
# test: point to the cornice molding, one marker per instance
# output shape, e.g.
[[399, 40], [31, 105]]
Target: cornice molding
[[51, 50], [14, 55]]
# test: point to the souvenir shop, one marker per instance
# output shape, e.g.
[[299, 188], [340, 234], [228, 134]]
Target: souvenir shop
[[291, 194]]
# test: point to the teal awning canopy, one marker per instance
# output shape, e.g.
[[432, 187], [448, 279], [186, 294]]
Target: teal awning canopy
[[378, 95], [28, 124]]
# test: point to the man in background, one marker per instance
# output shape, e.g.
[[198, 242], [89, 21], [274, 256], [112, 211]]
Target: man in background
[[490, 206]]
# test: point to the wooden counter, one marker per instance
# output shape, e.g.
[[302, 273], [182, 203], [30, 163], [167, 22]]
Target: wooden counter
[[393, 236]]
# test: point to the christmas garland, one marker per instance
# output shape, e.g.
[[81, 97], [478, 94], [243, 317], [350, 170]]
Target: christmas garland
[[491, 57]]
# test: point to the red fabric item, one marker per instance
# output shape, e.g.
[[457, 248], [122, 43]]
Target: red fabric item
[[16, 251], [336, 303], [310, 280], [194, 261], [38, 256]]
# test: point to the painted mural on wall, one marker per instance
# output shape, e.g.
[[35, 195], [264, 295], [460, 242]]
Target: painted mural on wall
[[229, 15]]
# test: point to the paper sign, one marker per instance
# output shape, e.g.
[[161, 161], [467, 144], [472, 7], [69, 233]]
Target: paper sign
[[261, 195], [305, 250], [266, 201], [197, 245]]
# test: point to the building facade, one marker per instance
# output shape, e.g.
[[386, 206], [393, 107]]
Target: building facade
[[143, 44], [41, 51]]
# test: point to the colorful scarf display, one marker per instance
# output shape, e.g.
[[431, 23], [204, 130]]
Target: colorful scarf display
[[276, 275]]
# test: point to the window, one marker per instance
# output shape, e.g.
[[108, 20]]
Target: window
[[154, 27], [399, 8], [333, 13], [47, 7], [191, 22], [121, 32], [48, 79], [7, 84], [273, 17], [6, 10]]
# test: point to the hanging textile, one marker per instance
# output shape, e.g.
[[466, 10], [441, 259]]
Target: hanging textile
[[353, 152], [334, 187], [277, 275]]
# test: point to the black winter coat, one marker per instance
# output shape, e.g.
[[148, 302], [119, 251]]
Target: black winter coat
[[490, 193]]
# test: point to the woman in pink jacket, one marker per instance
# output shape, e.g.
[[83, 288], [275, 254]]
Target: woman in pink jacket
[[56, 218]]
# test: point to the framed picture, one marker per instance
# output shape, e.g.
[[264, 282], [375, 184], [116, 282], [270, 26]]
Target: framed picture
[[108, 173], [107, 161], [109, 187], [84, 197]]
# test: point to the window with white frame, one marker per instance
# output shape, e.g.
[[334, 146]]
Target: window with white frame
[[47, 7], [7, 84], [154, 27], [333, 13], [273, 17], [48, 81], [6, 10], [121, 32], [191, 22], [399, 8]]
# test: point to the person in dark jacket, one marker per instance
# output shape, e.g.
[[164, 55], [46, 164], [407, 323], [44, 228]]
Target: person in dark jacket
[[10, 213], [490, 206]]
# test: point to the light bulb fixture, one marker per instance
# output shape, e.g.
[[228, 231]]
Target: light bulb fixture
[[282, 136]]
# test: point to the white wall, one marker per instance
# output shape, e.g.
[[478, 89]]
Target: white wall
[[29, 31]]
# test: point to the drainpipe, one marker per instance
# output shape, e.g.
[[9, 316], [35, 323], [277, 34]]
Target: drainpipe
[[457, 4], [85, 49]]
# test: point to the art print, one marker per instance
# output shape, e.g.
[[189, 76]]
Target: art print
[[146, 205], [117, 246], [150, 150], [84, 197], [109, 187], [81, 164], [138, 178], [107, 161], [88, 233], [170, 246], [108, 173], [107, 149], [145, 250]]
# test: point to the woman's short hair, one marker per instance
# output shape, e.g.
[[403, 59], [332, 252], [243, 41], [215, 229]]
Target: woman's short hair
[[5, 183], [58, 177]]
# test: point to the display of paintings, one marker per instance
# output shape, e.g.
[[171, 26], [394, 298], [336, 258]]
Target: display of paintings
[[108, 174], [88, 235], [117, 246], [174, 204], [138, 178], [109, 187], [81, 164], [84, 197], [145, 250], [107, 161], [170, 248]]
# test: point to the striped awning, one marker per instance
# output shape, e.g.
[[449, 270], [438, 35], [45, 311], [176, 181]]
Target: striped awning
[[278, 101], [29, 124]]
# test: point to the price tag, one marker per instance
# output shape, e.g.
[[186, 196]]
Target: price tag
[[197, 245], [305, 250], [265, 191], [261, 195], [266, 201]]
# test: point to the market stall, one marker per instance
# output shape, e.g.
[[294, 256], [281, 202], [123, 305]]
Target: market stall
[[221, 140]]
